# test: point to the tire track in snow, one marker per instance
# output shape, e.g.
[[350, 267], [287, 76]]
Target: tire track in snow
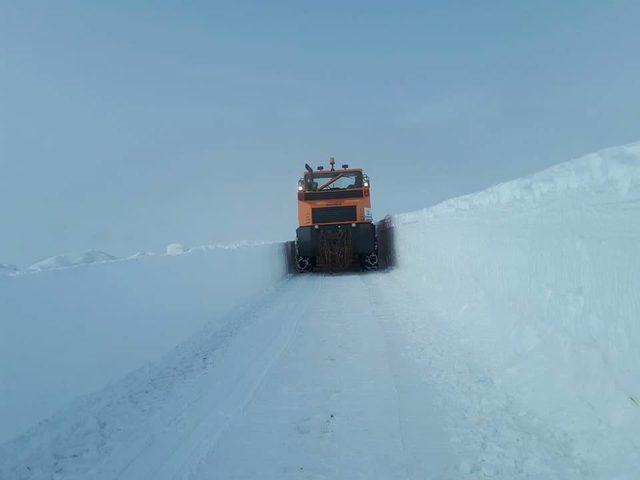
[[172, 456], [424, 440], [328, 408], [380, 316]]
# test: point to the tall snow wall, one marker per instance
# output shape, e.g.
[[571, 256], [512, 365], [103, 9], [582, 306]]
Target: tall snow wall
[[540, 279], [66, 332]]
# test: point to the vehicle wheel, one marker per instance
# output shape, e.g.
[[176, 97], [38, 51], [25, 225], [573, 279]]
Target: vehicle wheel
[[370, 261], [303, 264]]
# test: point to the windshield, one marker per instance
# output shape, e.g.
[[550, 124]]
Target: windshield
[[317, 182]]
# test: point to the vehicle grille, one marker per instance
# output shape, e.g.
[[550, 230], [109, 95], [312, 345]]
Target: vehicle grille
[[334, 214]]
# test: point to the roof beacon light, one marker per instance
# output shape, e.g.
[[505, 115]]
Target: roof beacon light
[[332, 162]]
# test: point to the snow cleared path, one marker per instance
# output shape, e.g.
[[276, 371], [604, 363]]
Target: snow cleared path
[[312, 388], [310, 383], [331, 403]]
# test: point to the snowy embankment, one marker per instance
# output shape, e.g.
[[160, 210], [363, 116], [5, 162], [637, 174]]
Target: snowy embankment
[[72, 260], [538, 283], [71, 324]]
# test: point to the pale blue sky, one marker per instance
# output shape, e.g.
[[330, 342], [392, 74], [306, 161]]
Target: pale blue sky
[[125, 126]]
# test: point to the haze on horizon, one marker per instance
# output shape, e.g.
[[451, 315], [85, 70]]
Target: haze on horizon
[[127, 127]]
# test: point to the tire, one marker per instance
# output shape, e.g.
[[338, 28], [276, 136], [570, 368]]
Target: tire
[[303, 264], [370, 261]]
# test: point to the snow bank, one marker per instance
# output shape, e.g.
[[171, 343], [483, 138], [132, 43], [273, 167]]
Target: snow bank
[[611, 172], [65, 332], [8, 269], [176, 249], [539, 281], [72, 260]]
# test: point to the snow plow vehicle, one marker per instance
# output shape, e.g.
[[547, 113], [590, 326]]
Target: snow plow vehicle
[[336, 229]]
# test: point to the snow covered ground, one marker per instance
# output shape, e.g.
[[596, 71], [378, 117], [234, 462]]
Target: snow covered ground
[[72, 260], [505, 344], [8, 269], [68, 327]]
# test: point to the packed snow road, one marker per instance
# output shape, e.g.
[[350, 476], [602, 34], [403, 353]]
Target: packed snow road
[[309, 383], [328, 402], [313, 386]]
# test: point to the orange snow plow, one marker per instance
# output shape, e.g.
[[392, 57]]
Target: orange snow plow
[[336, 229]]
